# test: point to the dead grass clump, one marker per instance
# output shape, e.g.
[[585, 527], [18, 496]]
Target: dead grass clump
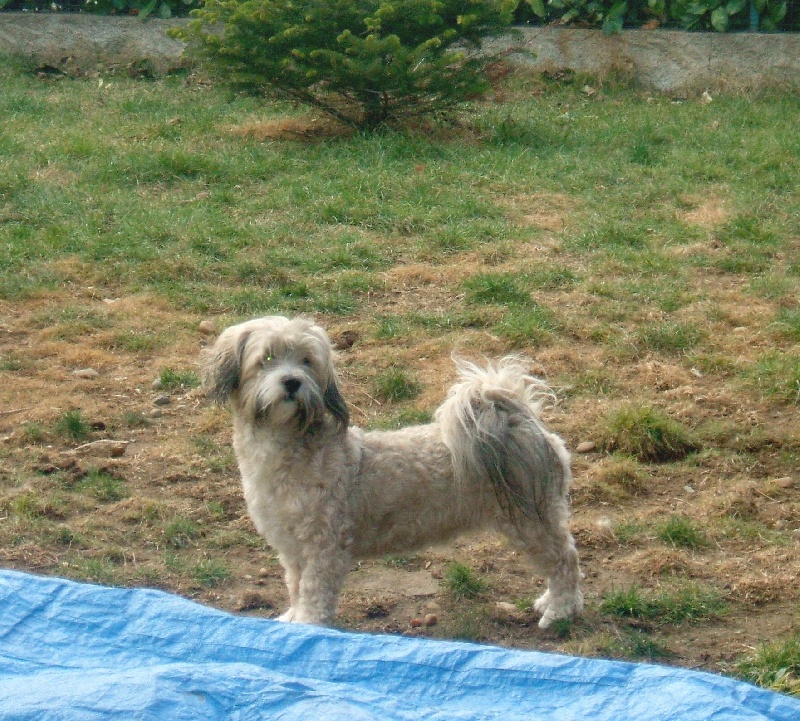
[[306, 129], [703, 213], [622, 472]]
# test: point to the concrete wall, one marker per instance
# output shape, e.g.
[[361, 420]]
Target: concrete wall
[[661, 60], [672, 61]]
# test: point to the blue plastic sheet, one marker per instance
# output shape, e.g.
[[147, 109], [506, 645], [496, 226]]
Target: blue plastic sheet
[[77, 651]]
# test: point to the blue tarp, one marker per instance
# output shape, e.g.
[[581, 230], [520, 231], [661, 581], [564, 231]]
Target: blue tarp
[[77, 651]]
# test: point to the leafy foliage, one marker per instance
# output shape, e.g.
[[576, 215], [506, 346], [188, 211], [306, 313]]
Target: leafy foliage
[[365, 62], [611, 15], [142, 8]]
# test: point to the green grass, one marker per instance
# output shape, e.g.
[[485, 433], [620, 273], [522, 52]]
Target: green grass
[[635, 644], [647, 434], [670, 337], [777, 375], [72, 426], [496, 289], [395, 385], [164, 223], [210, 572], [181, 532], [682, 532], [174, 380], [463, 582], [102, 486], [775, 666], [683, 604]]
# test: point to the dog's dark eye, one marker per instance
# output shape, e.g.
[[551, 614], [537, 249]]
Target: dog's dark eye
[[306, 361], [267, 358]]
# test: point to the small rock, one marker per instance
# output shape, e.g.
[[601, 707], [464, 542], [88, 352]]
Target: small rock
[[417, 623], [157, 384], [86, 373], [162, 400], [430, 619], [104, 446], [506, 607], [785, 482], [586, 447], [263, 572], [206, 327], [154, 413]]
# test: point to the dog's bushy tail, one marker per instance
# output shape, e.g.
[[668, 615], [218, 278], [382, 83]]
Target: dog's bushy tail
[[490, 423]]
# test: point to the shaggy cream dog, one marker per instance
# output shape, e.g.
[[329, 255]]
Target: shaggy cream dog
[[323, 493]]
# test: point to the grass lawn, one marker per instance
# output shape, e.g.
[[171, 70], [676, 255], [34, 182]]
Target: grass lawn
[[643, 251]]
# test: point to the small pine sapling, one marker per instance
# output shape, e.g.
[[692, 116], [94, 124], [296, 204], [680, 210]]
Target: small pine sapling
[[364, 62]]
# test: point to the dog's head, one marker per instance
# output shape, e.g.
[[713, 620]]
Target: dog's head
[[276, 371]]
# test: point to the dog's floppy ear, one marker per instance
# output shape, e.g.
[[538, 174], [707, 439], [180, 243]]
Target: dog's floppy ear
[[335, 404], [222, 366]]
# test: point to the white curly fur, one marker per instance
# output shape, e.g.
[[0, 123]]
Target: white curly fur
[[323, 494]]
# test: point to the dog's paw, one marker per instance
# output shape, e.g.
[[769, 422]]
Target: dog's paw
[[560, 608], [546, 620], [287, 617], [540, 604]]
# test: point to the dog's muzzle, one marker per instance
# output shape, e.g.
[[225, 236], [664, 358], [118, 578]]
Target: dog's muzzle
[[291, 386]]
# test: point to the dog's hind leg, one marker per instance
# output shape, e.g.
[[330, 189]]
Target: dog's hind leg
[[552, 551], [563, 598]]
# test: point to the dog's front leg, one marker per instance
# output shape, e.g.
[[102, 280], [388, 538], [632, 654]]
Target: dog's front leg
[[292, 572], [320, 584]]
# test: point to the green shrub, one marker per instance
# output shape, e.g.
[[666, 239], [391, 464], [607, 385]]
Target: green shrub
[[724, 15], [610, 15], [364, 62]]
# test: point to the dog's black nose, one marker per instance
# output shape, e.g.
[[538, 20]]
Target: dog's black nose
[[292, 385]]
